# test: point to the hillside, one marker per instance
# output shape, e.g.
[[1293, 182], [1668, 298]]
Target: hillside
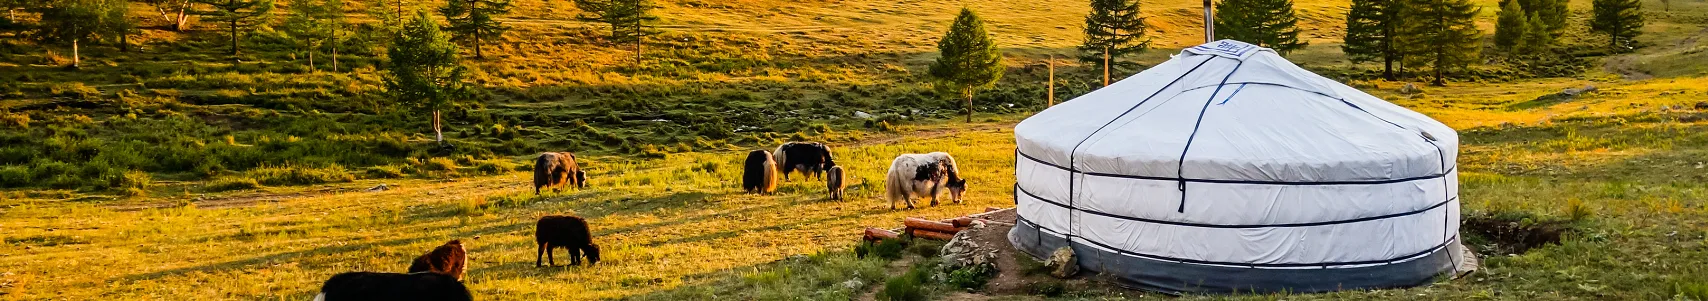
[[176, 171]]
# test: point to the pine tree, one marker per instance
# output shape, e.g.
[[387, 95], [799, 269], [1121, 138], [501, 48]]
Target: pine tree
[[969, 61], [472, 20], [1620, 20], [1554, 13], [1441, 34], [238, 15], [1116, 26], [1536, 39], [75, 21], [1511, 25], [313, 24], [1267, 23], [425, 72], [1371, 29], [630, 20]]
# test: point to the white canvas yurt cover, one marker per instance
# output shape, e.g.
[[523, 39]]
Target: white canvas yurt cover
[[1229, 169]]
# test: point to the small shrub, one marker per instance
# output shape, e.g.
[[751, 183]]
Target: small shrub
[[707, 167], [1577, 211], [1047, 288], [230, 183], [134, 179], [15, 120], [925, 248], [889, 248], [490, 168], [973, 277], [439, 164], [300, 175], [884, 126], [14, 176], [384, 172], [907, 287], [1691, 290]]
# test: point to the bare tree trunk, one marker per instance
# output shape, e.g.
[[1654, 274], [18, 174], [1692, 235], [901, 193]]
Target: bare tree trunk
[[183, 17], [969, 93], [311, 59], [124, 42], [477, 47], [334, 50], [163, 15], [76, 59], [234, 36], [437, 134]]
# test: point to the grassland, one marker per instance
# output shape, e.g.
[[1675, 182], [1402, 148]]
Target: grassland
[[175, 172]]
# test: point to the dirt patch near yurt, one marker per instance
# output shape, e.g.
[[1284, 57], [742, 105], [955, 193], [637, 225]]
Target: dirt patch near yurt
[[1511, 233], [1019, 274]]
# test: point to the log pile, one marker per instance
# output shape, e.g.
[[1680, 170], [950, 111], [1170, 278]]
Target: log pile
[[928, 229]]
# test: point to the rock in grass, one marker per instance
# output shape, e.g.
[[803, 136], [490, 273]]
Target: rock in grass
[[1062, 263], [1701, 105], [853, 284], [1410, 89]]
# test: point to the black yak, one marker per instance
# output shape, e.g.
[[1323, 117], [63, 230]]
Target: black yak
[[835, 180], [371, 286], [759, 173], [568, 232], [556, 170], [810, 158], [449, 259]]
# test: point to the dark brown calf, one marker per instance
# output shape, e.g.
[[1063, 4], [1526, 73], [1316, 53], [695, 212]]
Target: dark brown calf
[[449, 259], [567, 232]]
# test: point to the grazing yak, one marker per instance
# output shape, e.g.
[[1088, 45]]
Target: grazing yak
[[811, 158], [568, 232], [759, 173], [836, 181], [921, 175], [449, 259], [558, 169], [371, 286]]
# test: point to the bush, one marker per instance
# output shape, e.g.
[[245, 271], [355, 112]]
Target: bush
[[887, 249], [907, 287], [384, 172], [490, 168], [134, 180], [973, 277], [230, 183], [14, 176], [300, 175]]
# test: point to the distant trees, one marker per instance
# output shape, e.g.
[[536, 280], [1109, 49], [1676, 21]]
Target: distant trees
[[425, 72], [1620, 20], [238, 15], [1536, 38], [969, 61], [1372, 28], [1114, 28], [471, 20], [1441, 34], [314, 24], [1267, 23], [630, 20], [75, 21], [1552, 12]]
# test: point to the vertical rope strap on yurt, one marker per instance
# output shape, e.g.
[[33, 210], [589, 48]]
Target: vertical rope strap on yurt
[[1075, 150], [1180, 170], [1446, 196]]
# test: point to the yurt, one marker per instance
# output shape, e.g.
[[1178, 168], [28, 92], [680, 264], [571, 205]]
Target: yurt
[[1227, 169]]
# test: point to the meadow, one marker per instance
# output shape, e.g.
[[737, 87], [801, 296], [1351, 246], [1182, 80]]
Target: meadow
[[175, 172]]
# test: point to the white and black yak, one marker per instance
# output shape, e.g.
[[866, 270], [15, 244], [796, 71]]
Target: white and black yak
[[558, 169], [449, 259], [922, 175], [810, 158], [568, 232], [759, 173], [371, 286]]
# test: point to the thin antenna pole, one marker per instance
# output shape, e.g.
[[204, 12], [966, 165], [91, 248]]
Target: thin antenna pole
[[1050, 101], [1105, 66], [1209, 23]]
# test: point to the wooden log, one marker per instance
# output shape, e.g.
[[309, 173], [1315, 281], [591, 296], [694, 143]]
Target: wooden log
[[920, 223], [875, 234], [960, 222], [932, 235]]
